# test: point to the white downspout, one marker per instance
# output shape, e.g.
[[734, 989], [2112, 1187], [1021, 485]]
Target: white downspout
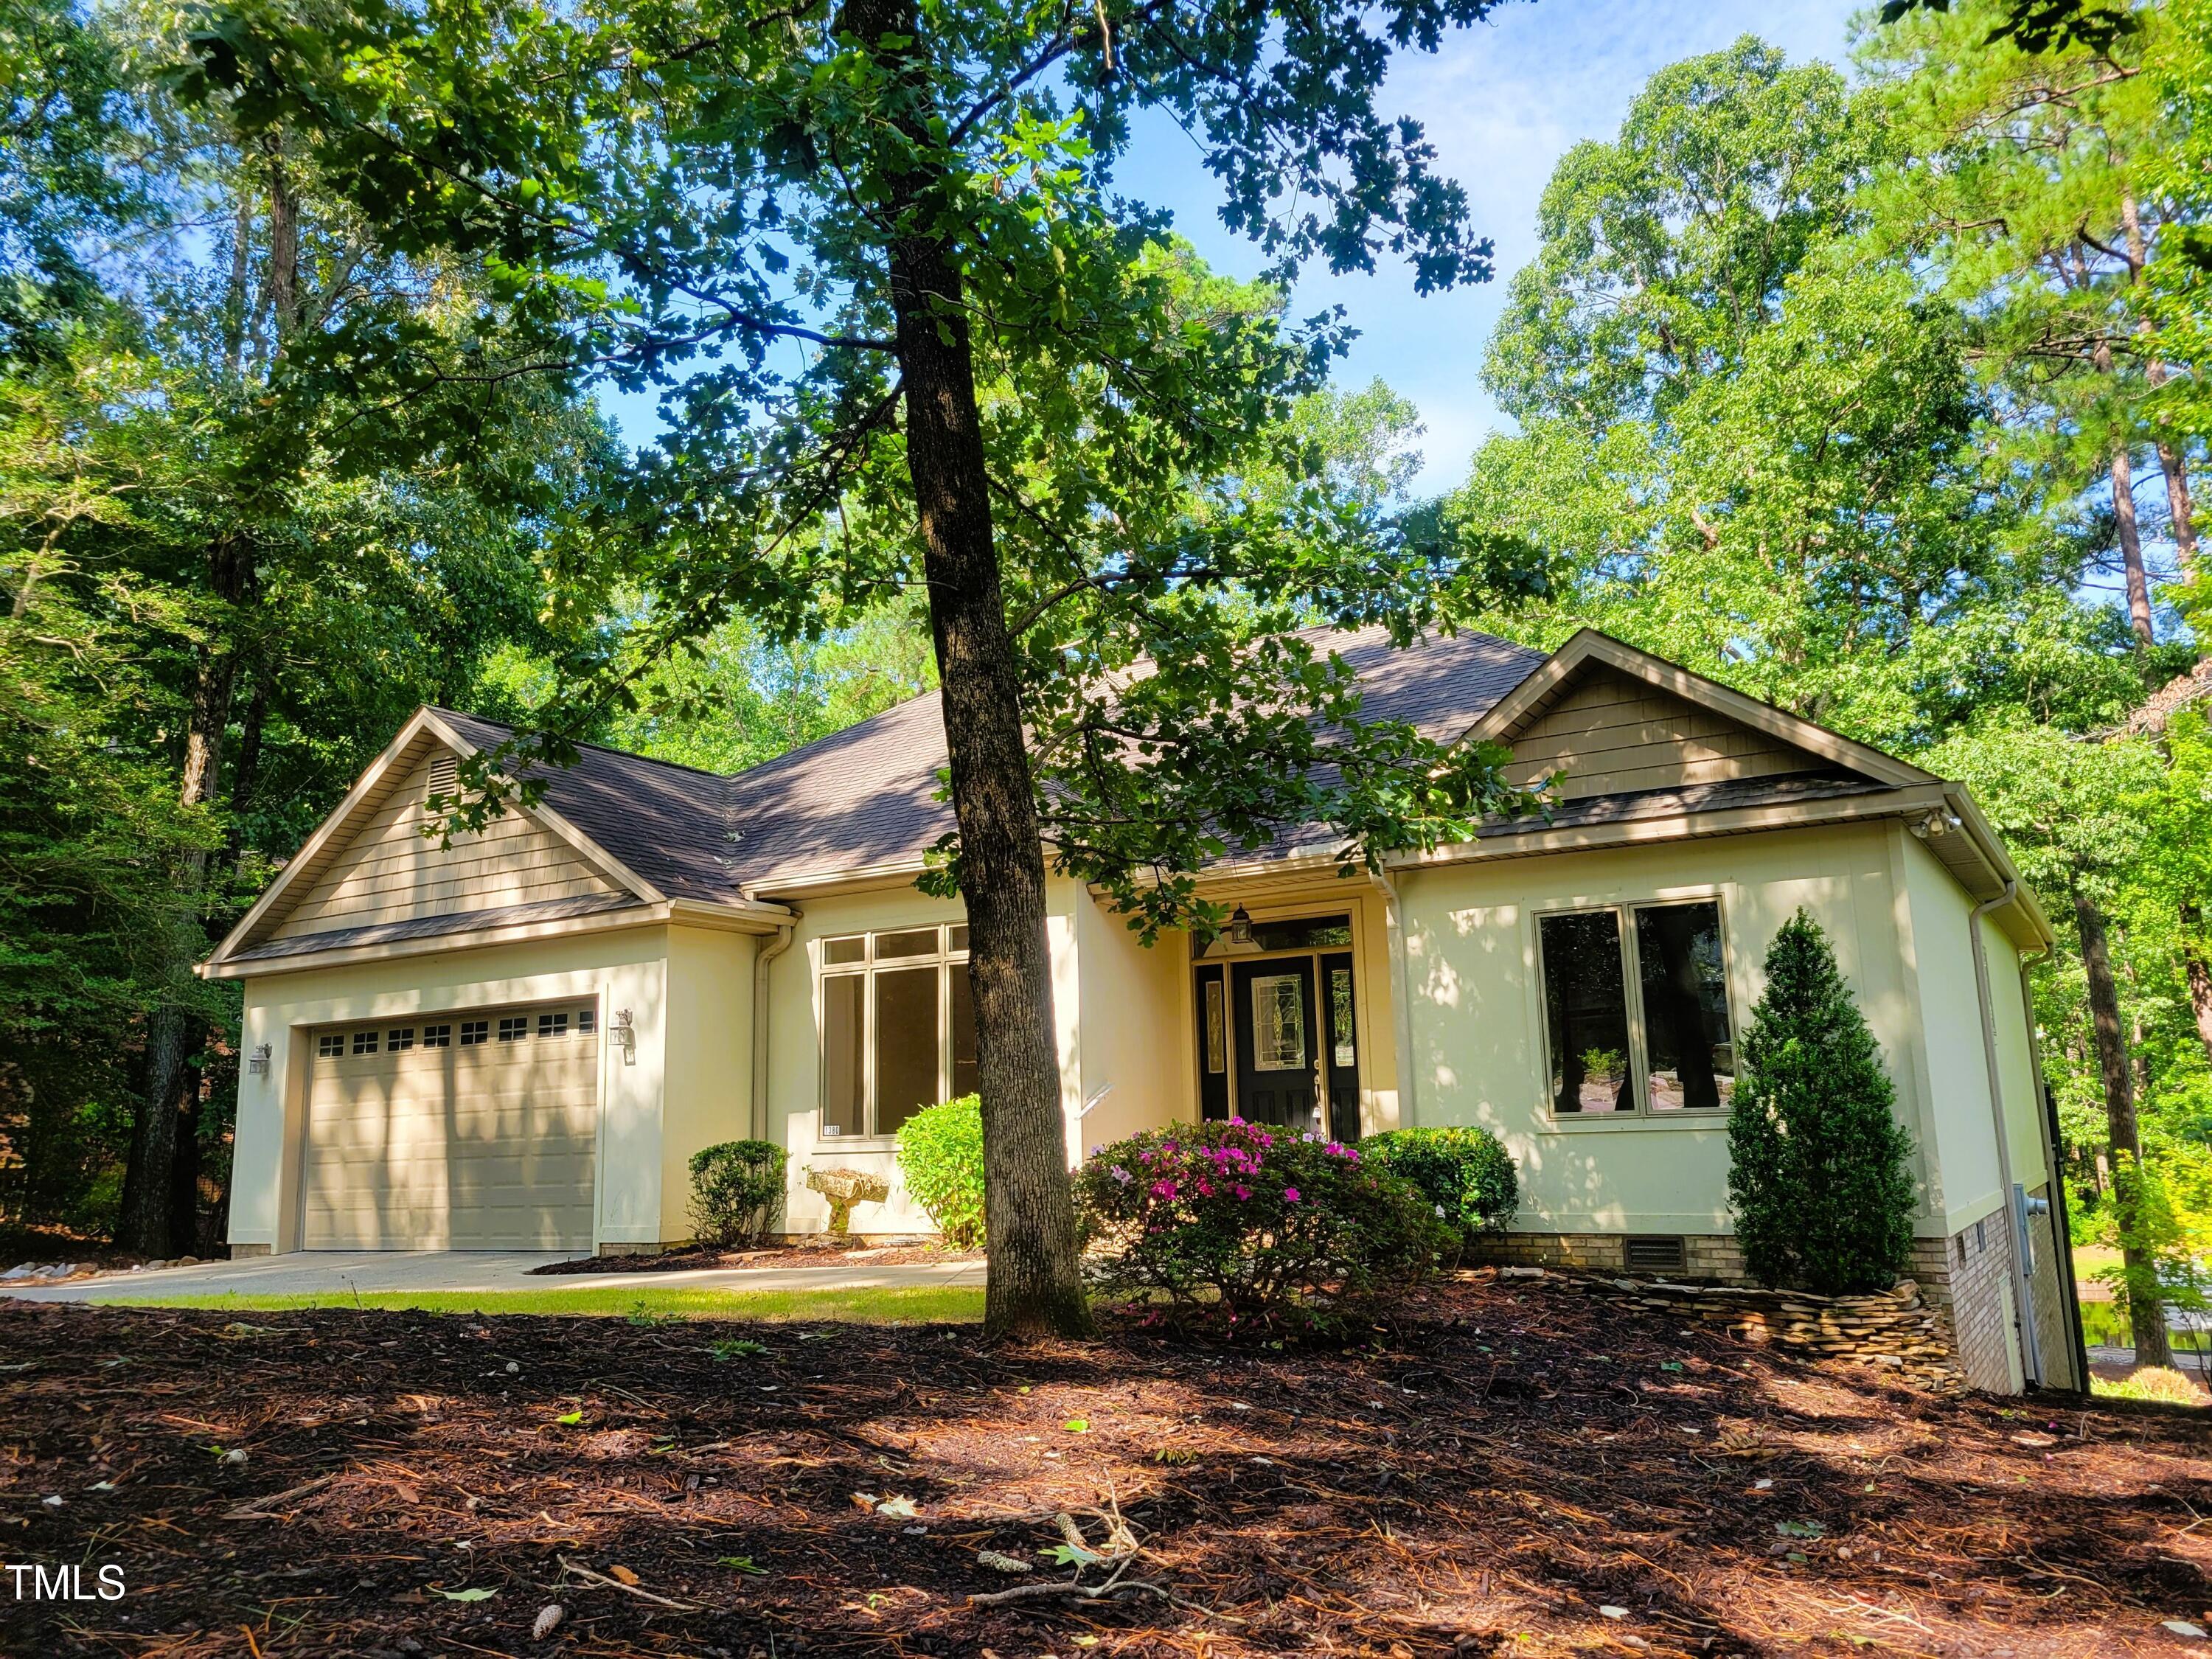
[[2023, 1315], [1402, 998], [785, 933]]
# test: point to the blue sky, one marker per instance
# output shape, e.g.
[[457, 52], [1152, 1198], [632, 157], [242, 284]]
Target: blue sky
[[1502, 102]]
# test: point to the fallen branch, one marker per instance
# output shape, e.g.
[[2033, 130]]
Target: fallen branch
[[600, 1581], [1087, 1593], [258, 1509]]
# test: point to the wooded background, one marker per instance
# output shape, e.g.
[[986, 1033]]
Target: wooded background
[[1873, 392]]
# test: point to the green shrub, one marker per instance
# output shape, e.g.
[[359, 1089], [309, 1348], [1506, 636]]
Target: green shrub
[[940, 1153], [736, 1191], [1466, 1172], [1253, 1229], [1818, 1173]]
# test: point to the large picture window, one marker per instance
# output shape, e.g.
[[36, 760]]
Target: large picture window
[[898, 1027], [1636, 1009]]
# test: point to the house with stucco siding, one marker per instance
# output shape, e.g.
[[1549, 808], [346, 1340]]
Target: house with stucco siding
[[517, 1037]]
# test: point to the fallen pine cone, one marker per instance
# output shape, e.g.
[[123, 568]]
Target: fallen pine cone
[[547, 1620], [999, 1563]]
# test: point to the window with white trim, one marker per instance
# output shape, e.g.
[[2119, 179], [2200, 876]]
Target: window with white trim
[[898, 1027], [1636, 1009]]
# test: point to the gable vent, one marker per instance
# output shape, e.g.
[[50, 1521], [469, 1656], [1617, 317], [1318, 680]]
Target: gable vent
[[445, 776], [1657, 1253]]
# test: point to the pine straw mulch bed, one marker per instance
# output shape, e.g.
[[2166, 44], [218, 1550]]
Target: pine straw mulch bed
[[1488, 1479]]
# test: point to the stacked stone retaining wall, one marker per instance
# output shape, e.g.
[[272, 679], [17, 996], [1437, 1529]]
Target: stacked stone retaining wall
[[1895, 1331]]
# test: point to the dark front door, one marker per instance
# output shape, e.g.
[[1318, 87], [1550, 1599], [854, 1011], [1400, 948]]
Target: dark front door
[[1278, 1041]]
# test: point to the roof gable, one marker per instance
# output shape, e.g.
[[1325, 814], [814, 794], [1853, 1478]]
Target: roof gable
[[1617, 721], [369, 865], [389, 870]]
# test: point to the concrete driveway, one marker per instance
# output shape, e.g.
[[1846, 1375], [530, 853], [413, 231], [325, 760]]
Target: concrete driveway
[[308, 1272]]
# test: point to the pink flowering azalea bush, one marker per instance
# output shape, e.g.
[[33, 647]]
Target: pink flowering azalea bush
[[1253, 1227]]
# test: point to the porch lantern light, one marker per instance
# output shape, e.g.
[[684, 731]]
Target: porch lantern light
[[1240, 926], [257, 1060]]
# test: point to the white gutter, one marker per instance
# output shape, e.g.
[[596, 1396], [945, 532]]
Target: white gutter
[[2023, 1305], [761, 957], [1402, 998]]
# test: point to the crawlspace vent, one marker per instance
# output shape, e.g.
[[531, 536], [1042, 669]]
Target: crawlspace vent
[[1657, 1253]]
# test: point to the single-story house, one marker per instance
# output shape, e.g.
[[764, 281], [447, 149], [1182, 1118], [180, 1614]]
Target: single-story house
[[518, 1039]]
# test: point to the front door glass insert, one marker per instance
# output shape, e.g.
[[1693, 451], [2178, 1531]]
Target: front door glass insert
[[1278, 1022]]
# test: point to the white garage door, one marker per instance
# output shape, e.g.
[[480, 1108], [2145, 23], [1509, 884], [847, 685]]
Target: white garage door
[[473, 1130]]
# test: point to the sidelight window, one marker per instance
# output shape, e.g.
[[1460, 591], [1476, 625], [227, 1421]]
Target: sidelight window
[[898, 1027], [1636, 1009]]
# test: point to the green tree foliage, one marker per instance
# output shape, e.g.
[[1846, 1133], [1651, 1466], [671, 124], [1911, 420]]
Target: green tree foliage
[[1819, 1169], [2025, 183], [1802, 502], [230, 563], [1664, 252], [911, 338]]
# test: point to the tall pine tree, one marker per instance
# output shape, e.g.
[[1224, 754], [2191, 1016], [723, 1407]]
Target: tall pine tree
[[1818, 1175]]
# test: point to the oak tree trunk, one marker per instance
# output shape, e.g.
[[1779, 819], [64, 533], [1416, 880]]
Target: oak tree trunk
[[1034, 1285], [2146, 1314]]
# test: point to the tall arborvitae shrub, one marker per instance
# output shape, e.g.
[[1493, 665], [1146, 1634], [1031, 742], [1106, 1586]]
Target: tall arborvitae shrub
[[1819, 1174]]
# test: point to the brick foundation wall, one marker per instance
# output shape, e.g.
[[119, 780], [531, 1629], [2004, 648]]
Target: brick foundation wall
[[1963, 1278], [1711, 1256]]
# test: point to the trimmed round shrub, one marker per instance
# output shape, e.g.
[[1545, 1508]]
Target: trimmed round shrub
[[940, 1153], [1465, 1171], [1253, 1229], [736, 1191]]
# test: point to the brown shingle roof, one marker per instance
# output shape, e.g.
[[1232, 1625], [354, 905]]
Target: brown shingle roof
[[864, 797]]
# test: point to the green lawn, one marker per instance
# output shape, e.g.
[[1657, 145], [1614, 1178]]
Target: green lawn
[[898, 1304]]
